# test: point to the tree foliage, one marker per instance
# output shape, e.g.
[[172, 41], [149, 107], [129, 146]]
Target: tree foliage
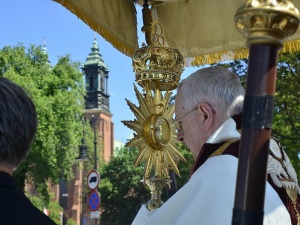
[[121, 189], [53, 208], [58, 95], [286, 125], [184, 167], [70, 222]]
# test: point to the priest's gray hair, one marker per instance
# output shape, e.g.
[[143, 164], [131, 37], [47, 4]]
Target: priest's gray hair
[[216, 86]]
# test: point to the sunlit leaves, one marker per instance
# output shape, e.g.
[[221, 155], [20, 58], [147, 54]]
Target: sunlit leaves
[[122, 191], [57, 92], [286, 124]]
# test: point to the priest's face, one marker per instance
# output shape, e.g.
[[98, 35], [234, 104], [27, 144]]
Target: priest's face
[[190, 125]]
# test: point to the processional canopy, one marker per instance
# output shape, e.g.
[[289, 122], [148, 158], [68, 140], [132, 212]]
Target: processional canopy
[[203, 31], [181, 33]]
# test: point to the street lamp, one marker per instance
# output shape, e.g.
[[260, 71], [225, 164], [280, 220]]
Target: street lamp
[[82, 152], [82, 157], [94, 120], [82, 148]]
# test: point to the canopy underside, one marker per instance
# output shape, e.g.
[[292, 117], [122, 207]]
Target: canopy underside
[[203, 31]]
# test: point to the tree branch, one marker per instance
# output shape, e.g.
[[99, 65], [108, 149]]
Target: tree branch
[[279, 135]]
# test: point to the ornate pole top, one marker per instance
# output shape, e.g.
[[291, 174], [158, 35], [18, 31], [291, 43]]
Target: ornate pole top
[[267, 21]]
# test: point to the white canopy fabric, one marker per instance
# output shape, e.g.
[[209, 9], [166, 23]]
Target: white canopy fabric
[[114, 20], [202, 30]]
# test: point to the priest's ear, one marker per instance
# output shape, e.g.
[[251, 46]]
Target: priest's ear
[[207, 114]]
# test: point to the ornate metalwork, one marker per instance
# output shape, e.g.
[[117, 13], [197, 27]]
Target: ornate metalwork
[[155, 185], [267, 21], [158, 67], [292, 192], [155, 134]]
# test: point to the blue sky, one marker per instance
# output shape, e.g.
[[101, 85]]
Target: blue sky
[[32, 22]]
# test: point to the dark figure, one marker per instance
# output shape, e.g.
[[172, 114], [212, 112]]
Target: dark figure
[[18, 125]]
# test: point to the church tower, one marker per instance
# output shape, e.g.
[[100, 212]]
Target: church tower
[[95, 73]]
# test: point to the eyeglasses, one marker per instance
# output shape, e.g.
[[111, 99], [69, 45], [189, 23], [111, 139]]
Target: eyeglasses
[[177, 123]]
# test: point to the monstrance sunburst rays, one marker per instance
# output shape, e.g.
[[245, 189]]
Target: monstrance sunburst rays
[[155, 135]]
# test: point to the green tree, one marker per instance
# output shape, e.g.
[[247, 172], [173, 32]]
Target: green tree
[[53, 207], [58, 95], [286, 125], [184, 167], [71, 222], [121, 189]]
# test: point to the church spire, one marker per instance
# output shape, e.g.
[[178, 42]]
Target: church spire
[[96, 78], [95, 58], [44, 49], [95, 47]]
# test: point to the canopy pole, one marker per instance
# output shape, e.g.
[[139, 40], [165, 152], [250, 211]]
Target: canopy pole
[[265, 25], [256, 132]]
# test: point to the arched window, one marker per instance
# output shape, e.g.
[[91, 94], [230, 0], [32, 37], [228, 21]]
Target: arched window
[[91, 83]]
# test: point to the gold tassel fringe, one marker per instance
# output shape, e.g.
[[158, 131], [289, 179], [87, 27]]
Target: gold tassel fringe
[[216, 57], [290, 46], [121, 46]]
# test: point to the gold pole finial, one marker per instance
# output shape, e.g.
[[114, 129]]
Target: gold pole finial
[[267, 21]]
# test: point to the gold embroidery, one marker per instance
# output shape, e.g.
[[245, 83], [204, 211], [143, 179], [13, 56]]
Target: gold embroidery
[[220, 150], [293, 195], [291, 190]]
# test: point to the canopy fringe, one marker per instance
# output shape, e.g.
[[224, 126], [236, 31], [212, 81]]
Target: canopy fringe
[[291, 46], [222, 56], [116, 43]]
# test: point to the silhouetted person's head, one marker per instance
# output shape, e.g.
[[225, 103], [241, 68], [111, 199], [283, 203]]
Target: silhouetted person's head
[[18, 124]]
